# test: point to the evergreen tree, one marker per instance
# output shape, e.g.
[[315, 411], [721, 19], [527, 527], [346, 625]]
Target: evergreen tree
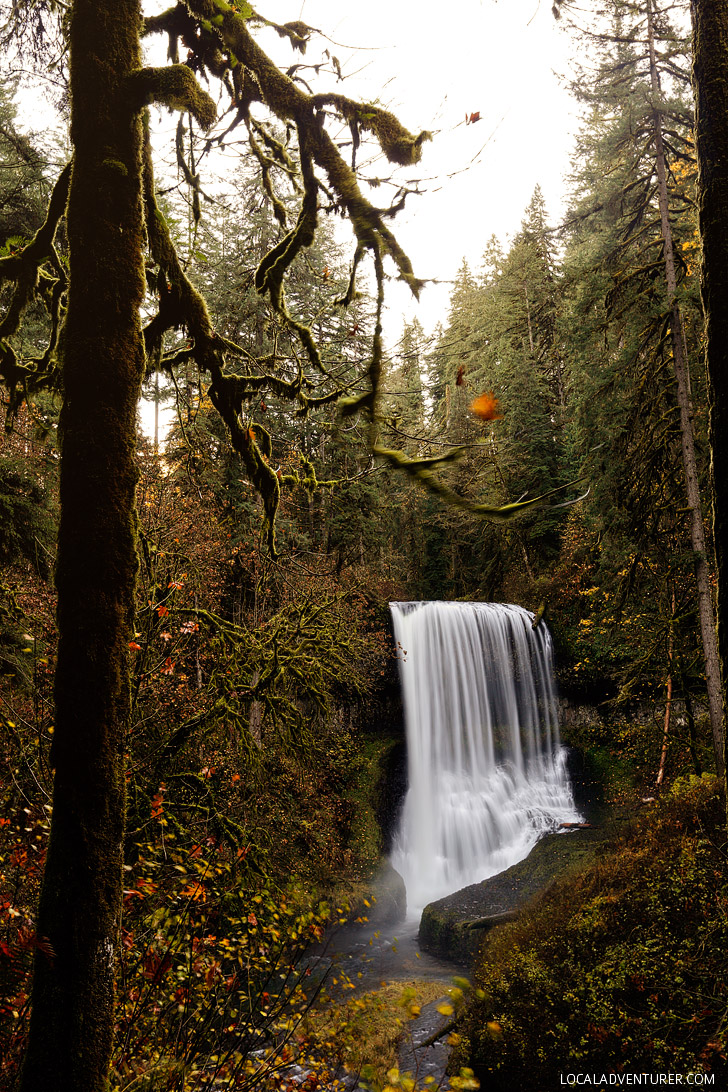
[[710, 68], [634, 322]]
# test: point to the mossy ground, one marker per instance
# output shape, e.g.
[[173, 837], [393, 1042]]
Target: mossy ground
[[366, 1029]]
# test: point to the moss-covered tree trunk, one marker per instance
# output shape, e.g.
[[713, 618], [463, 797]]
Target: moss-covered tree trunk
[[73, 988], [710, 74]]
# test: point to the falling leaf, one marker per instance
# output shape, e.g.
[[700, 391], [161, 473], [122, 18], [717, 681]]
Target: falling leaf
[[485, 406], [460, 380], [470, 119]]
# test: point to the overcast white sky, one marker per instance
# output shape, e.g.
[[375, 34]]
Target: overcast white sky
[[433, 64]]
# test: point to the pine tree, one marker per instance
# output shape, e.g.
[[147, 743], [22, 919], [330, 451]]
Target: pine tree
[[710, 67], [630, 234]]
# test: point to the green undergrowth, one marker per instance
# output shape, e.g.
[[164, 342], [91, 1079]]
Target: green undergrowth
[[320, 825], [620, 968]]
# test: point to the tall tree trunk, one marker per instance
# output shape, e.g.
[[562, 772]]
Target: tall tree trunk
[[80, 905], [710, 78], [668, 698], [690, 467]]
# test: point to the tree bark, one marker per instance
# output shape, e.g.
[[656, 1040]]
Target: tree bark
[[690, 467], [710, 79], [80, 905], [668, 698]]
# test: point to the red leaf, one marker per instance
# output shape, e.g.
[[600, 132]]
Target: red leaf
[[485, 406]]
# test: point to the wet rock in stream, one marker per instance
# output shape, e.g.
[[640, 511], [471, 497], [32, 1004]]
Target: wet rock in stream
[[424, 1050]]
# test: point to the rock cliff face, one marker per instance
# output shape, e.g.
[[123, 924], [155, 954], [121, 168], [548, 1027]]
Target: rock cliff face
[[454, 927]]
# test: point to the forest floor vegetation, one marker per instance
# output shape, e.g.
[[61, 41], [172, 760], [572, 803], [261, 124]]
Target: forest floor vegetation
[[624, 963]]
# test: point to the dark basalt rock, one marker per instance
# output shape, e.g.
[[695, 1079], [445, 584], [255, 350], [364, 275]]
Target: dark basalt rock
[[391, 896]]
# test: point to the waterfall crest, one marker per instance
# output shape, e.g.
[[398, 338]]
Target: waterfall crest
[[486, 771]]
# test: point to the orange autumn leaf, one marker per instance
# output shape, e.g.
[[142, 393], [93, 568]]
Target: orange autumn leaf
[[485, 406], [195, 891]]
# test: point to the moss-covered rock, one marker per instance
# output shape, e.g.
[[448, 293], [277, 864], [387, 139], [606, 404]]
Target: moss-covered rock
[[454, 927]]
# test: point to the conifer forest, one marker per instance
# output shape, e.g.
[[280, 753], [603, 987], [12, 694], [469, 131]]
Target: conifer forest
[[222, 458]]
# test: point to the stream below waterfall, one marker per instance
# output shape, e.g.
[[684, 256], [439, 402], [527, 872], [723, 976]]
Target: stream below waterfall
[[370, 956]]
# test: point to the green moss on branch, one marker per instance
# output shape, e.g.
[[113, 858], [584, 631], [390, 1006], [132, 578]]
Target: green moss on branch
[[175, 87]]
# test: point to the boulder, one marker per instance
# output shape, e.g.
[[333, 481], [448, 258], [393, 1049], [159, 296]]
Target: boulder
[[453, 928], [391, 896]]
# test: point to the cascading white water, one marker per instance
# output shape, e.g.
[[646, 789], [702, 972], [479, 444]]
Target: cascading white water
[[486, 771]]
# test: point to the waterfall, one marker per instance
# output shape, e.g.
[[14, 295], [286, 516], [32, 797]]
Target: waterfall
[[486, 771]]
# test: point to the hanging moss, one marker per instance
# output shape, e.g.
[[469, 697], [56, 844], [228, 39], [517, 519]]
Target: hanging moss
[[27, 269], [397, 143], [422, 472]]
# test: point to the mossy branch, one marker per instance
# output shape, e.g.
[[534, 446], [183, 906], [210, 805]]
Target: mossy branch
[[289, 103], [397, 143], [422, 472], [25, 269], [175, 87]]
